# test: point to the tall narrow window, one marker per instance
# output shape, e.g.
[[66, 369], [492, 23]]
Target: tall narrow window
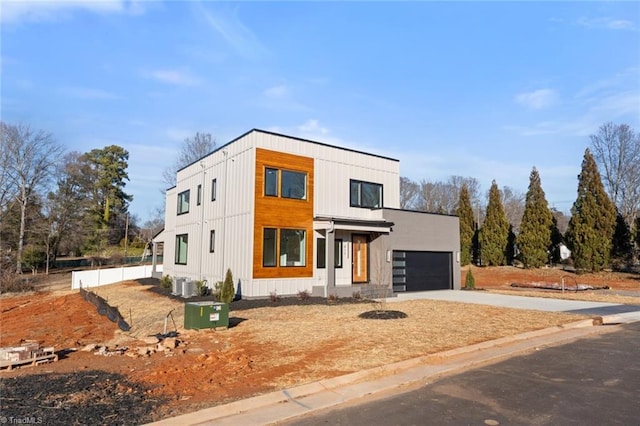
[[199, 195], [182, 243], [214, 189], [269, 247], [271, 182], [293, 247], [212, 241], [183, 202], [321, 255]]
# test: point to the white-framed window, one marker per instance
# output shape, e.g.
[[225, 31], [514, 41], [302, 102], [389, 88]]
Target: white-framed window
[[365, 194], [183, 202], [182, 244]]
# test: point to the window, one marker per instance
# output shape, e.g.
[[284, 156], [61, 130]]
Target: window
[[213, 189], [182, 242], [321, 255], [183, 202], [271, 182], [365, 194], [199, 195], [269, 247], [212, 241], [294, 185], [292, 247]]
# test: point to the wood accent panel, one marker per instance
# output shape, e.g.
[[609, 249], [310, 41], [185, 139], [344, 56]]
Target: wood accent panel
[[278, 212]]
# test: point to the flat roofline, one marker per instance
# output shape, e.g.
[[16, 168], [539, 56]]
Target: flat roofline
[[266, 132]]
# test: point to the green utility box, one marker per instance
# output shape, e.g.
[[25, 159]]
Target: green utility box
[[199, 315]]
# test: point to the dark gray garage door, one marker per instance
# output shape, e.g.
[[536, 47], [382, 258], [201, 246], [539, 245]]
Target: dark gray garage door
[[422, 270]]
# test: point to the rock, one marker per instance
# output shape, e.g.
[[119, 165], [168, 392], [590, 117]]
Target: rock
[[143, 351], [150, 340], [89, 348], [170, 343]]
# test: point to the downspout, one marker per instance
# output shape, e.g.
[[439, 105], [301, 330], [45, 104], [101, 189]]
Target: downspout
[[330, 256], [224, 216]]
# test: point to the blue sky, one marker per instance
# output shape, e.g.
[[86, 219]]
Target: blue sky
[[479, 89]]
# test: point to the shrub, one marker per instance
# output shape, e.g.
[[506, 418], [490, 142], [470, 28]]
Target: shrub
[[469, 281], [304, 295], [203, 290], [356, 295], [166, 282], [227, 292], [273, 296], [333, 297]]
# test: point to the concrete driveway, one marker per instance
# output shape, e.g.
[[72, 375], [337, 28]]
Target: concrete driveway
[[523, 302]]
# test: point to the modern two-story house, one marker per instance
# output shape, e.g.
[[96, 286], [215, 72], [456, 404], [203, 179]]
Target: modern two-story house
[[288, 215]]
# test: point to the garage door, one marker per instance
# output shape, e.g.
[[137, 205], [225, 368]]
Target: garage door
[[422, 270]]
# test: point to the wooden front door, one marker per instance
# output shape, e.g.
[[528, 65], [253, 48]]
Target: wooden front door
[[360, 257]]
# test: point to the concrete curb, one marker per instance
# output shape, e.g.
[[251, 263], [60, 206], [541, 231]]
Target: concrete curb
[[299, 400]]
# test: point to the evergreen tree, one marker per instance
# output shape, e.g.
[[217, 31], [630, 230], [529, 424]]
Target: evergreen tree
[[556, 239], [622, 244], [494, 235], [227, 293], [467, 226], [534, 239], [593, 220]]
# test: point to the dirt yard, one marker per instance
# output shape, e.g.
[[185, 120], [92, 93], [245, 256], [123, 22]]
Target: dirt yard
[[267, 348]]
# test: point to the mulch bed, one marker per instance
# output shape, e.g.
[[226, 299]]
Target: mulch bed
[[244, 304], [91, 397], [382, 315]]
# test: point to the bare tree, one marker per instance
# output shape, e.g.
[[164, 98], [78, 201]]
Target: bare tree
[[408, 193], [513, 202], [32, 158], [192, 149], [616, 148], [443, 197]]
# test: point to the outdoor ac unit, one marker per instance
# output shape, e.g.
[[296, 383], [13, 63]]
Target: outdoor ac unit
[[188, 288], [177, 286]]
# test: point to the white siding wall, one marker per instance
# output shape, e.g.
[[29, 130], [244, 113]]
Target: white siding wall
[[231, 216]]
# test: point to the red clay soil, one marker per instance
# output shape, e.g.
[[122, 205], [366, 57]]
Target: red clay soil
[[495, 277], [68, 321]]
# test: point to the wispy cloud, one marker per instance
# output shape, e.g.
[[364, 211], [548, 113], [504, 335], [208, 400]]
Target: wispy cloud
[[233, 31], [312, 126], [177, 134], [179, 77], [13, 12], [279, 91], [606, 23], [537, 99], [88, 93]]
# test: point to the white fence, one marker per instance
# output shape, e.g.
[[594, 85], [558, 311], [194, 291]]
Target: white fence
[[98, 277]]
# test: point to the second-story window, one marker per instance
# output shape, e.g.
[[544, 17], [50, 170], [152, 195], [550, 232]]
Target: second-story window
[[214, 189], [199, 195], [365, 194], [285, 183], [271, 182], [183, 202]]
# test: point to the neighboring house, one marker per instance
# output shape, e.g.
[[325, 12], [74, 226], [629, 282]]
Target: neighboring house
[[288, 215]]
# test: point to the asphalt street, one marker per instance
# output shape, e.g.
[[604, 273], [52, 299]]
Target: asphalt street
[[591, 381]]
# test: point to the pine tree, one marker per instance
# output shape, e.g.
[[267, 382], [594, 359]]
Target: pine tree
[[534, 239], [593, 219], [465, 215], [494, 235]]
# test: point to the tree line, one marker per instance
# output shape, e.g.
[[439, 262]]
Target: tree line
[[602, 231], [54, 202]]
